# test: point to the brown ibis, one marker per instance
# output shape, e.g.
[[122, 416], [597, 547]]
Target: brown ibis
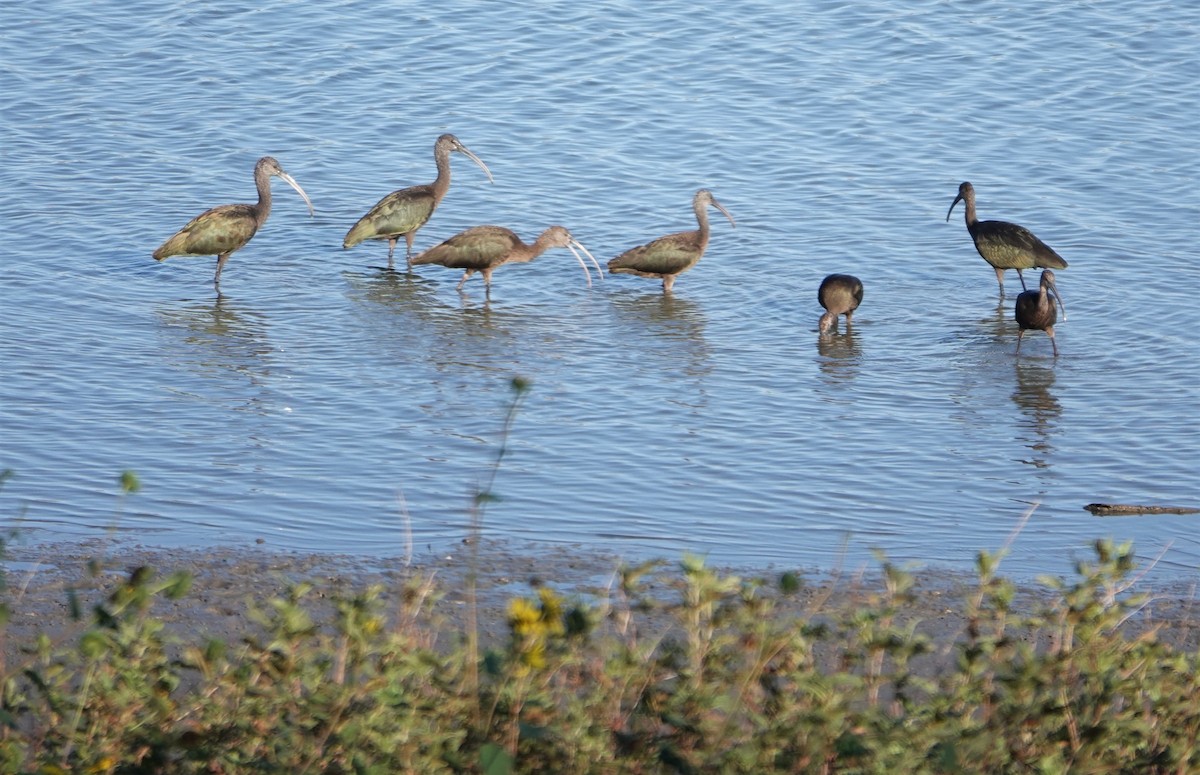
[[483, 248], [1005, 245], [224, 229], [1036, 309], [668, 257], [401, 213], [839, 294]]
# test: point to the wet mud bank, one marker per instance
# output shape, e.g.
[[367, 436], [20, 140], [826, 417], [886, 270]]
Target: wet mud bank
[[45, 583]]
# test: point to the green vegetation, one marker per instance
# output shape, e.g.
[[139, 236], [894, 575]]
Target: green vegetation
[[715, 674], [711, 676]]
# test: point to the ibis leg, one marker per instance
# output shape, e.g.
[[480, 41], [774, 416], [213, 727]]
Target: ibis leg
[[221, 259], [391, 252]]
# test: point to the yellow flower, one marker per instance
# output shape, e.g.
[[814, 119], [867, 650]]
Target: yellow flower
[[523, 616], [103, 764], [552, 611], [535, 656]]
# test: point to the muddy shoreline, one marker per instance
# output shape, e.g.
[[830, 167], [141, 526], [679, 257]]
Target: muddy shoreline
[[229, 581]]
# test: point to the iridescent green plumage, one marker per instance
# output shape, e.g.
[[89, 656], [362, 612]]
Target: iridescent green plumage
[[401, 213], [227, 228], [667, 257], [1005, 245]]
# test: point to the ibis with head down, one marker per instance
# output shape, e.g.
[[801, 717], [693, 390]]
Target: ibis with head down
[[484, 248], [839, 294], [1036, 310]]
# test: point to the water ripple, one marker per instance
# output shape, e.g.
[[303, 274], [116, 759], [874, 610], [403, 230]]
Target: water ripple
[[322, 403]]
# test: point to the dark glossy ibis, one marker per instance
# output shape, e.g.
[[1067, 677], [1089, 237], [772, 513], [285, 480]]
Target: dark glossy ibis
[[401, 213], [222, 230], [667, 257], [1005, 245], [1036, 309], [483, 248], [839, 294]]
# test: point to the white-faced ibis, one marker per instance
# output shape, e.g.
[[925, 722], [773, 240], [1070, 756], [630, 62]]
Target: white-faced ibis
[[668, 257], [483, 248], [222, 230], [839, 294], [1005, 245], [401, 213], [1036, 309]]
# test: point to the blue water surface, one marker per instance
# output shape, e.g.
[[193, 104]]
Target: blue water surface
[[323, 404]]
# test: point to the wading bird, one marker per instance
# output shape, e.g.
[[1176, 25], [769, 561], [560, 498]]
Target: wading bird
[[667, 257], [222, 230], [839, 294], [483, 248], [1036, 309], [401, 213], [1005, 245]]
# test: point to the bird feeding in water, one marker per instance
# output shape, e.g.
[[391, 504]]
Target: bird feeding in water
[[401, 213], [668, 257], [839, 294], [224, 229], [1005, 245], [1036, 309], [483, 248]]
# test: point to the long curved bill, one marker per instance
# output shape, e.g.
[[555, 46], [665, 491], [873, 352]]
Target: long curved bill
[[725, 212], [292, 182], [957, 199], [1057, 295], [477, 160], [574, 243]]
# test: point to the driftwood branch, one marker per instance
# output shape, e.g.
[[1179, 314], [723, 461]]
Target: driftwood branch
[[1125, 510]]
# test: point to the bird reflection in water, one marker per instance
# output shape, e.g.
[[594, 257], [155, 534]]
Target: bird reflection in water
[[392, 292], [674, 326], [1041, 409], [395, 298], [840, 355], [997, 325], [472, 335], [415, 325], [220, 338]]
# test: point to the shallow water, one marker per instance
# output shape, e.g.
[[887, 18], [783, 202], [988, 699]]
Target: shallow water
[[324, 404]]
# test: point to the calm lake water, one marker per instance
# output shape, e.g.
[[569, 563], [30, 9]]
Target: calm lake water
[[323, 404]]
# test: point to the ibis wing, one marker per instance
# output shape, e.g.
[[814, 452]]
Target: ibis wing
[[667, 255], [214, 232], [1010, 246], [397, 213], [477, 248]]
